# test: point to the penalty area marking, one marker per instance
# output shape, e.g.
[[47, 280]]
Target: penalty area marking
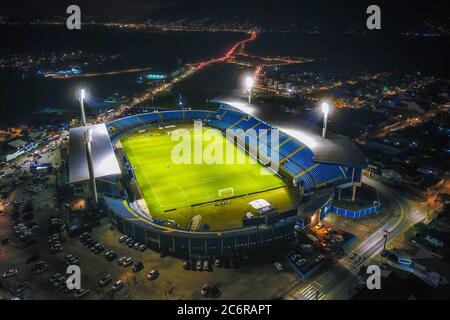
[[146, 177]]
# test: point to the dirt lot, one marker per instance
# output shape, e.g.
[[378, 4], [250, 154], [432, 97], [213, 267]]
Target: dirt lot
[[254, 279]]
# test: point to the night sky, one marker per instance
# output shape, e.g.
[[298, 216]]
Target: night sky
[[251, 9]]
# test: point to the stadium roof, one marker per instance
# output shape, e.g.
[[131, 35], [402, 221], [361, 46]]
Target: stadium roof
[[105, 161], [335, 149], [316, 201]]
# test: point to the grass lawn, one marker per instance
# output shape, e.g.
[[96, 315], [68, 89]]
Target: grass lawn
[[167, 186]]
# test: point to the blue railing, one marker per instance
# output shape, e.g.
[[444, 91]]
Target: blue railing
[[358, 213]]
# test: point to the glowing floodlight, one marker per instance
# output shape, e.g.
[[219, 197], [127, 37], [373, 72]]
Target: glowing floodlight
[[325, 110], [249, 82]]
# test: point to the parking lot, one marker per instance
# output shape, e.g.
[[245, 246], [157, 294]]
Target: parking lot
[[255, 279], [33, 207]]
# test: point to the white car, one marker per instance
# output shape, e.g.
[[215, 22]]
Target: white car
[[278, 266], [117, 285], [153, 274], [10, 273]]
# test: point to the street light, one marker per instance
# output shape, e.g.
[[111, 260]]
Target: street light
[[87, 142], [385, 236], [249, 83], [83, 116], [325, 111]]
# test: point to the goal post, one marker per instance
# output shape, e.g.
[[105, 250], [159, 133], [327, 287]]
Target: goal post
[[226, 192]]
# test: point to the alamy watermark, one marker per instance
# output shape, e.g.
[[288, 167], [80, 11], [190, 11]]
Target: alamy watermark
[[74, 277], [373, 281], [73, 22], [373, 22]]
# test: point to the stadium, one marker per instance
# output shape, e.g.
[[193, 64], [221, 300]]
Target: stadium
[[204, 206]]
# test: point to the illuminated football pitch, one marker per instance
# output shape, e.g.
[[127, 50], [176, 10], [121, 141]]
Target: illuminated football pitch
[[168, 187]]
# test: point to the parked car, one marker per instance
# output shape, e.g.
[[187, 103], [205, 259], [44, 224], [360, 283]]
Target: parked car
[[278, 266], [55, 277], [105, 280], [98, 248], [206, 289], [153, 274], [198, 266], [187, 265], [81, 293], [138, 266], [128, 262], [32, 258], [206, 265], [121, 260], [117, 286], [10, 273], [110, 255], [22, 286], [299, 262], [320, 257], [163, 253], [214, 292]]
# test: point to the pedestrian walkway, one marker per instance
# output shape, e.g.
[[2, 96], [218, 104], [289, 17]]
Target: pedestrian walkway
[[310, 292]]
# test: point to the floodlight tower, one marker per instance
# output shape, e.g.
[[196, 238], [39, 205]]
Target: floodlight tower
[[325, 111], [87, 142], [249, 83], [83, 115]]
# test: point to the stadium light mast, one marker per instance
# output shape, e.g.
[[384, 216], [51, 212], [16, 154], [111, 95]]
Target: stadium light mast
[[325, 111], [249, 83], [87, 141], [83, 115]]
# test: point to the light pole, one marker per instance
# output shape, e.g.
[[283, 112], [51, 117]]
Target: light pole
[[249, 83], [325, 111], [83, 116], [385, 236], [87, 142]]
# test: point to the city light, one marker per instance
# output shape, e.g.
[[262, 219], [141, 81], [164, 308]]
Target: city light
[[82, 94]]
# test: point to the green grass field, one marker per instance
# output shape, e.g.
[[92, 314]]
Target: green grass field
[[168, 186]]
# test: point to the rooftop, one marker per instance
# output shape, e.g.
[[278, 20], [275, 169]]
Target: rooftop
[[104, 159], [334, 149]]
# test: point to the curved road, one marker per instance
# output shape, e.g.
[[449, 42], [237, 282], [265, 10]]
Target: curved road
[[336, 283]]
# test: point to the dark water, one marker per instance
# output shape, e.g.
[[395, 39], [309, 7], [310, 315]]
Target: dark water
[[369, 52], [161, 51]]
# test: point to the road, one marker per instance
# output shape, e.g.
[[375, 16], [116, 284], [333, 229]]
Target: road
[[97, 74], [426, 116], [336, 283]]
